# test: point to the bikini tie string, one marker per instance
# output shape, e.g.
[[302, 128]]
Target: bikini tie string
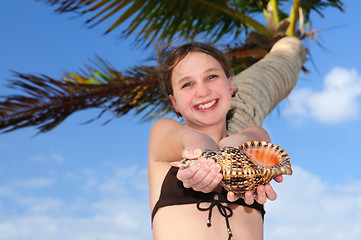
[[221, 208]]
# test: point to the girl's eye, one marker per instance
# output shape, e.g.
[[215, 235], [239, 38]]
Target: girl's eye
[[186, 85], [212, 76]]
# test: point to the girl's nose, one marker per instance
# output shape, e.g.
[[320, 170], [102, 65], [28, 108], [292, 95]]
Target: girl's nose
[[202, 89]]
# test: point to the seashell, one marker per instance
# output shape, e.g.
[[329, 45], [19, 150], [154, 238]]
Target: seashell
[[247, 166]]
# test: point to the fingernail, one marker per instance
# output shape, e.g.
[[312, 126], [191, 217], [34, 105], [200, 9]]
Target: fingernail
[[197, 151]]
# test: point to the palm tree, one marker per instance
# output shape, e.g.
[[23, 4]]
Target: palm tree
[[46, 102]]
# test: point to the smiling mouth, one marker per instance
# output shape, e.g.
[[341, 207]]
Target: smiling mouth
[[206, 105]]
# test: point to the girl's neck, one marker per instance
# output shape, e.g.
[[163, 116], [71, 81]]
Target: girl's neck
[[216, 132]]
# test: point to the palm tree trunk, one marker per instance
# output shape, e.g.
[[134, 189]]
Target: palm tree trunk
[[263, 85]]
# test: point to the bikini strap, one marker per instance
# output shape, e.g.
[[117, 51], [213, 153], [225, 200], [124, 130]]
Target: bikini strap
[[221, 208]]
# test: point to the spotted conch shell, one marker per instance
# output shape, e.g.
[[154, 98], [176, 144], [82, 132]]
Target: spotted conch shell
[[247, 166]]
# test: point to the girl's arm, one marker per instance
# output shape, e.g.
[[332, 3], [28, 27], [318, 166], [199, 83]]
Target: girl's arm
[[245, 135], [204, 176], [168, 138]]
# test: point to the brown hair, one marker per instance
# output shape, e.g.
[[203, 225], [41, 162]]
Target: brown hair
[[177, 54], [168, 60]]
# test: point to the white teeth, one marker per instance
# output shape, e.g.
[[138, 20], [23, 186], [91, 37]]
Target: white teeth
[[208, 105]]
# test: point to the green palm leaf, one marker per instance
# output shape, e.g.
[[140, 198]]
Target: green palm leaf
[[47, 102], [319, 6], [165, 20]]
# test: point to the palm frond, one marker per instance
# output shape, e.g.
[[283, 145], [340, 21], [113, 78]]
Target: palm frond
[[165, 20], [255, 47], [46, 102], [318, 6]]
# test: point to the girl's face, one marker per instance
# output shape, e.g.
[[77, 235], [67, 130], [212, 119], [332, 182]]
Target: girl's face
[[201, 91]]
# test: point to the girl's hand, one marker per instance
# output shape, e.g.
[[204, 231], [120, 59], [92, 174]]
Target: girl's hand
[[204, 175], [264, 192]]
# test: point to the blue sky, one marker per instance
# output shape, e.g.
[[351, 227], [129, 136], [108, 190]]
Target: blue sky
[[90, 181]]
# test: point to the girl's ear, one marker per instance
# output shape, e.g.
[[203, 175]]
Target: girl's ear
[[174, 103], [230, 85]]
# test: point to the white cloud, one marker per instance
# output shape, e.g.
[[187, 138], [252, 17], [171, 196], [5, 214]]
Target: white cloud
[[117, 211], [124, 180], [35, 182], [51, 158], [40, 205], [101, 227], [308, 208], [338, 101]]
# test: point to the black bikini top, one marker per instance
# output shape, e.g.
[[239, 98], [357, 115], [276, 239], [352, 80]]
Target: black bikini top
[[173, 193]]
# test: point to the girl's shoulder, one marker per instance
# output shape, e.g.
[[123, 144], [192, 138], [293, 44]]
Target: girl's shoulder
[[164, 140], [166, 124], [164, 128]]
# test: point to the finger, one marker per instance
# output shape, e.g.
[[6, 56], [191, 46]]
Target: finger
[[199, 172], [232, 197], [271, 194], [208, 177], [191, 153], [278, 178], [249, 198], [261, 197], [216, 179], [188, 173], [206, 188]]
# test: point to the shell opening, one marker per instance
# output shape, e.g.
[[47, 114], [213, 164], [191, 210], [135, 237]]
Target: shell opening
[[264, 154]]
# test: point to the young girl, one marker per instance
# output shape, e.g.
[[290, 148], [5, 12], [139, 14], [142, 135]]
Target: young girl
[[191, 204]]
